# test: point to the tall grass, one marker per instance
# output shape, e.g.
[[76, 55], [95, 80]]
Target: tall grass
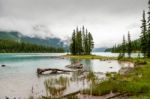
[[135, 83]]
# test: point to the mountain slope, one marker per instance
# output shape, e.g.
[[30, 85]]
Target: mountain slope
[[16, 36], [102, 49]]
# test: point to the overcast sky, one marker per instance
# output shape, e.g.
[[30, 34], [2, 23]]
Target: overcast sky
[[107, 20]]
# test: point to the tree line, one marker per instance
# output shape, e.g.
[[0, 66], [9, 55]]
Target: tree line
[[142, 44], [10, 46], [126, 46], [81, 42]]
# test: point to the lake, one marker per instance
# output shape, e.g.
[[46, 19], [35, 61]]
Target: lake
[[19, 77]]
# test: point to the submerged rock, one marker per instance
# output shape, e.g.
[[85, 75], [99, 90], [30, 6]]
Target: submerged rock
[[125, 70], [75, 66], [3, 65]]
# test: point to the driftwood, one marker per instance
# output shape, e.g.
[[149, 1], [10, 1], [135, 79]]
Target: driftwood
[[118, 95], [62, 97], [75, 66], [70, 94], [53, 70]]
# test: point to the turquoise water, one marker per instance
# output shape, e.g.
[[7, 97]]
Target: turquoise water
[[19, 77]]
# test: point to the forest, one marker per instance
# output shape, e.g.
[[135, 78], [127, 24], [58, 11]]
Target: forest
[[10, 46], [140, 45]]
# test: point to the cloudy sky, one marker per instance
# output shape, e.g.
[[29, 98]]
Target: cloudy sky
[[107, 20]]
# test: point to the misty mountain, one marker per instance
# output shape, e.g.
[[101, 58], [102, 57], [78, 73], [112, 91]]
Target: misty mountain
[[102, 49], [16, 36]]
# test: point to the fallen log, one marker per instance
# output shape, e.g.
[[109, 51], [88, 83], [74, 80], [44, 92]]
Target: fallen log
[[53, 70], [117, 95], [70, 94], [62, 97]]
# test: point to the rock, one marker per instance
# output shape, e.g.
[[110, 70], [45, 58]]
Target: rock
[[3, 65], [125, 70], [75, 66]]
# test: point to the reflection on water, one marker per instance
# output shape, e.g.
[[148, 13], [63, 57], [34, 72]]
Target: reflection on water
[[19, 78]]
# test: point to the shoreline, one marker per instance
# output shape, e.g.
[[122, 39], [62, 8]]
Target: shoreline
[[89, 57], [134, 82]]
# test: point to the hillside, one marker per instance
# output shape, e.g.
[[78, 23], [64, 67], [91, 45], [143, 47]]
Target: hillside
[[11, 46], [101, 49], [16, 36]]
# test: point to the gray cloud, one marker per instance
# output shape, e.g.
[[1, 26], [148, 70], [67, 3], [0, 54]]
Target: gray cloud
[[110, 18]]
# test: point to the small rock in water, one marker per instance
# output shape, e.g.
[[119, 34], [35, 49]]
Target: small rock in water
[[3, 65], [6, 97]]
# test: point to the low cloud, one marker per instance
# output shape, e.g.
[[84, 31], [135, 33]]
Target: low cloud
[[108, 20]]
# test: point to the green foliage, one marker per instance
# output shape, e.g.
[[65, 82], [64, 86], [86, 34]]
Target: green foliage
[[10, 46], [135, 83], [129, 46], [144, 36], [81, 42]]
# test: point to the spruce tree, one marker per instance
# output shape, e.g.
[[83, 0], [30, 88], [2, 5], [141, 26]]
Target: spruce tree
[[73, 43], [86, 42], [123, 46], [143, 36], [148, 33], [81, 42], [129, 45], [90, 43]]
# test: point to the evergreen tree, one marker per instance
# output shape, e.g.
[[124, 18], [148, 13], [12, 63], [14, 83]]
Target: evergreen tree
[[81, 42], [90, 43], [73, 43], [86, 42], [129, 46], [123, 46], [148, 33], [143, 36]]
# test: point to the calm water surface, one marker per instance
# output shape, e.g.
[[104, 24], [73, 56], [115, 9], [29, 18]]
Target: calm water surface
[[19, 77]]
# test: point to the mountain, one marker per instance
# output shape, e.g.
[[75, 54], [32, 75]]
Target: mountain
[[102, 49], [17, 36]]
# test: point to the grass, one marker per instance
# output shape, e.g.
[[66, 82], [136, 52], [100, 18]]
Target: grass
[[52, 89], [88, 57], [136, 83]]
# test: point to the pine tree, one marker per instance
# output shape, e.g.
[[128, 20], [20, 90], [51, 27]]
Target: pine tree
[[81, 42], [90, 43], [129, 46], [123, 46], [73, 43], [148, 33], [143, 36], [86, 42]]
